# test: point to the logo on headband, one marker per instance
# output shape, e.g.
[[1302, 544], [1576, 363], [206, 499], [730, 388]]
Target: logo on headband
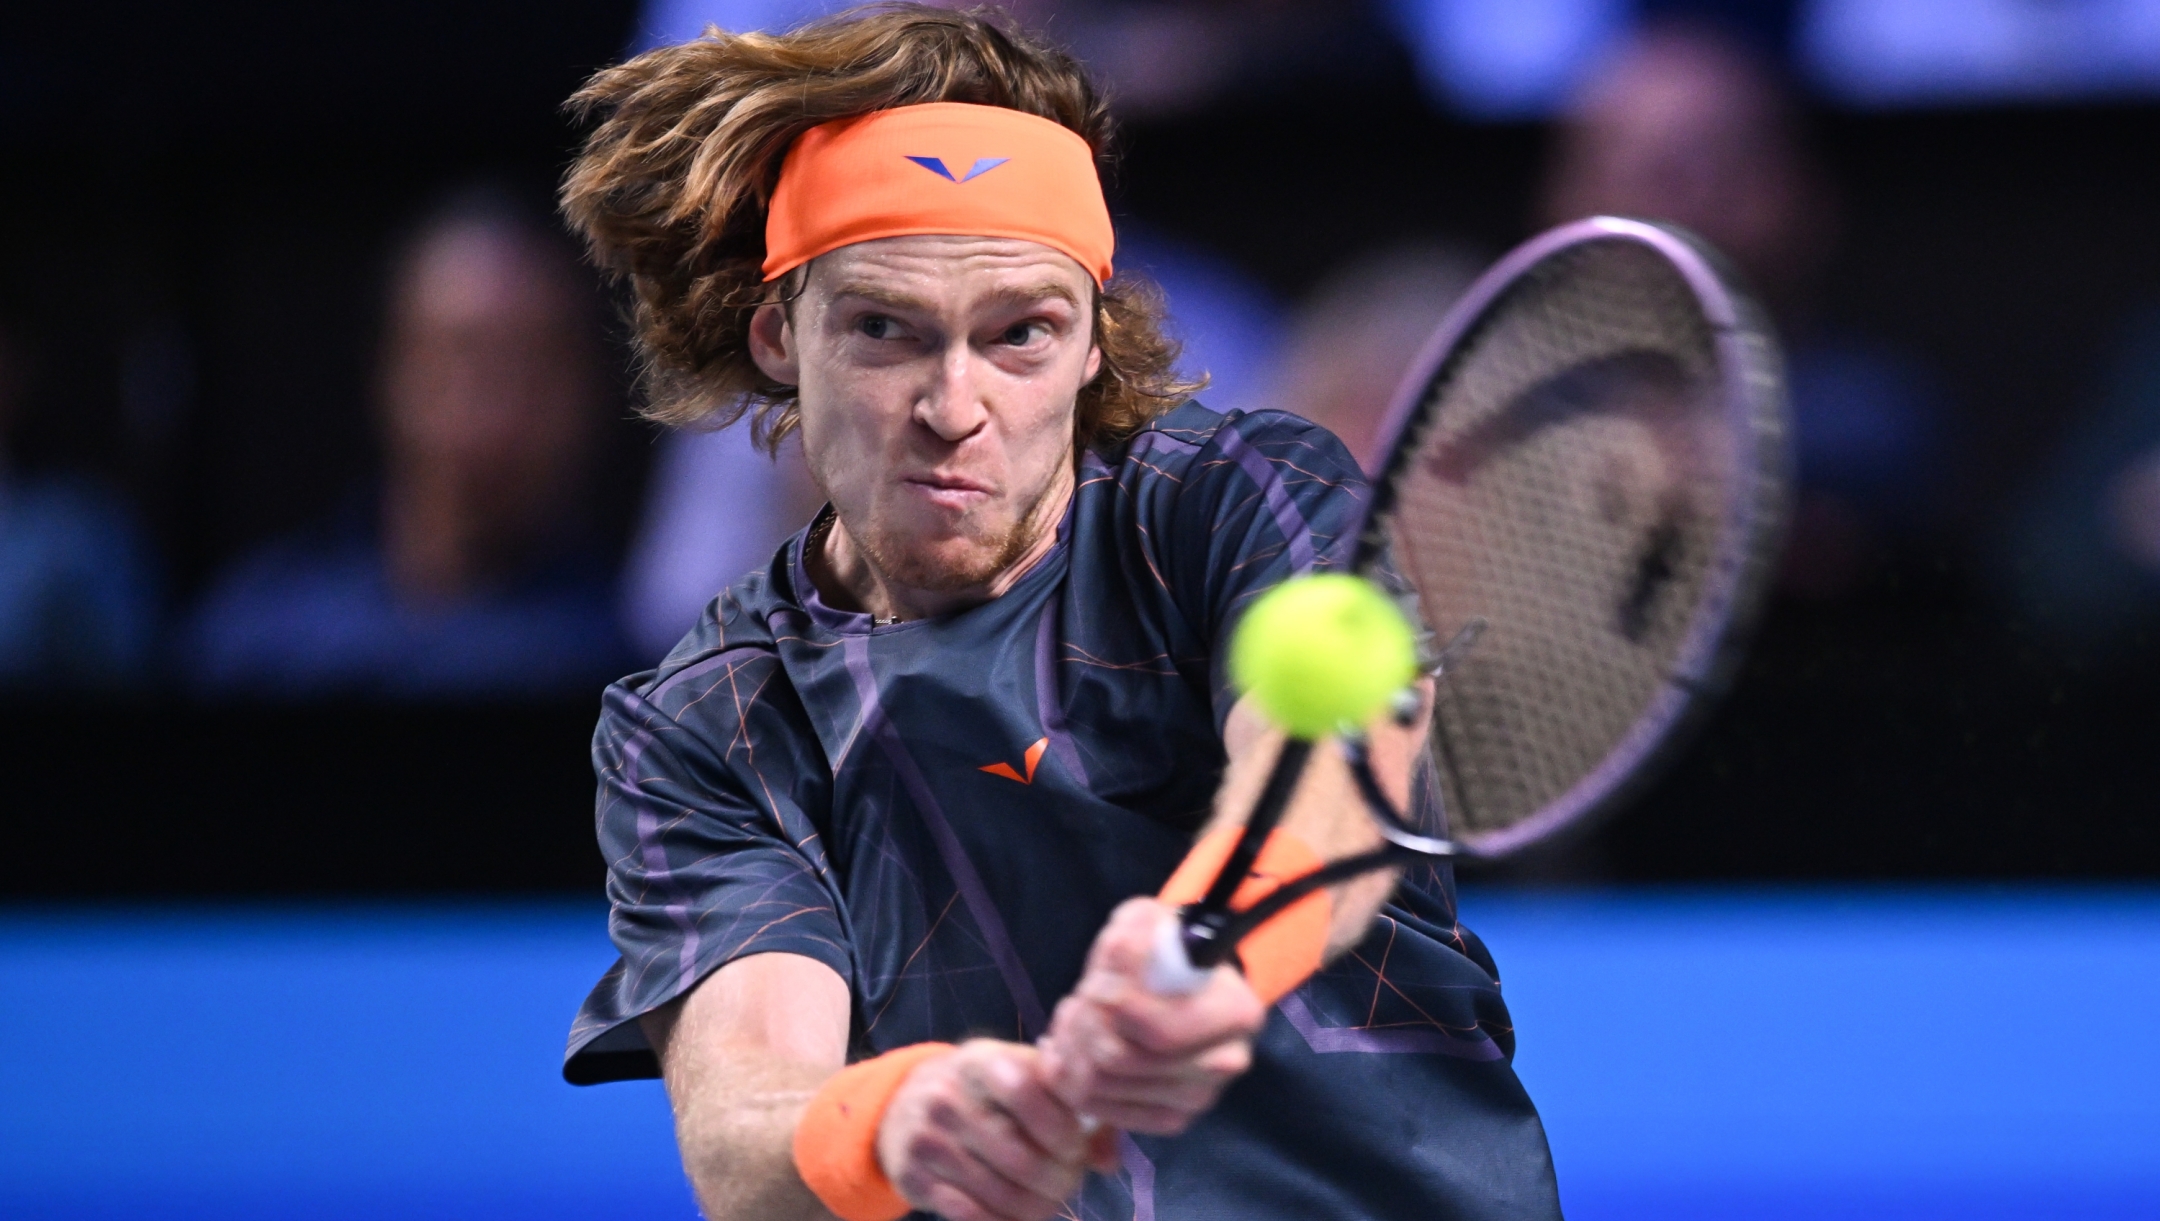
[[983, 165]]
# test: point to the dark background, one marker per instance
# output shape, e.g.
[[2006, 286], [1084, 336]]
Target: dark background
[[195, 202]]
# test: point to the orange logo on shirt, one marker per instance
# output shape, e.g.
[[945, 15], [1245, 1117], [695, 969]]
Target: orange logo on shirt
[[1033, 757]]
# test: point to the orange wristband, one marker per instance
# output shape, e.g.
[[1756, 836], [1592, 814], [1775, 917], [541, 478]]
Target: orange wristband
[[836, 1138], [1289, 947]]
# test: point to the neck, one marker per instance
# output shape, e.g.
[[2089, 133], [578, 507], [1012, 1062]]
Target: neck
[[848, 578]]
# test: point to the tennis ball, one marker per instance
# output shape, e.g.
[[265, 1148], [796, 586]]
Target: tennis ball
[[1323, 652]]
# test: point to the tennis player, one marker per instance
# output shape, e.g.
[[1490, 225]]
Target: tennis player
[[893, 797]]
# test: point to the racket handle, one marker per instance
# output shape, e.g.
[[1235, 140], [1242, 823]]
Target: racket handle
[[1170, 970]]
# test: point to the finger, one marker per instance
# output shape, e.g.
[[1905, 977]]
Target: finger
[[1224, 998], [997, 1143], [1230, 1059], [1149, 1120], [961, 1166], [1108, 1054], [1225, 1009], [996, 1079], [1224, 1060], [1064, 1064], [1080, 1040], [1193, 1094], [953, 1204], [1163, 1086], [1122, 947], [1144, 1100], [1114, 1057], [1042, 1117]]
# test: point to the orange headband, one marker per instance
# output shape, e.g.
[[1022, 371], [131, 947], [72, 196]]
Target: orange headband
[[941, 167]]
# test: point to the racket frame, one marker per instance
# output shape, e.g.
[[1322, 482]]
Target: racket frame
[[1751, 394]]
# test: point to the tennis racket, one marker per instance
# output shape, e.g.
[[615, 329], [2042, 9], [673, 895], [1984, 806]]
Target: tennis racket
[[1582, 496]]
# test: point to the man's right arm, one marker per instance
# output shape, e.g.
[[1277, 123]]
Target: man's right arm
[[742, 1055], [973, 1135]]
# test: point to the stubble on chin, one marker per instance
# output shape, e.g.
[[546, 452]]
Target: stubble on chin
[[929, 568]]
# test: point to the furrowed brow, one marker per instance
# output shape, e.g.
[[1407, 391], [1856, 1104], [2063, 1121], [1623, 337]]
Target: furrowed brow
[[1032, 294], [879, 296]]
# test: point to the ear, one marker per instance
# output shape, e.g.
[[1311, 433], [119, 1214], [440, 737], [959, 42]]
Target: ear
[[1094, 364], [772, 344]]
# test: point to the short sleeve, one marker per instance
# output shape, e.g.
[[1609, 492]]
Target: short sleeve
[[1263, 497], [710, 856]]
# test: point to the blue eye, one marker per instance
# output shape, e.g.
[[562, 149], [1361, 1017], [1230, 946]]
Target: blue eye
[[876, 326], [1020, 334]]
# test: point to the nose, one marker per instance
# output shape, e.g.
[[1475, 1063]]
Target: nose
[[952, 406]]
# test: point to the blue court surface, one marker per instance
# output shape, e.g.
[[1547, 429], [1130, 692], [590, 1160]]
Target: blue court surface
[[1956, 1053]]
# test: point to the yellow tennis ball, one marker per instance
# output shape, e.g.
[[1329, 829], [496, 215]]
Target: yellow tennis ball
[[1322, 652]]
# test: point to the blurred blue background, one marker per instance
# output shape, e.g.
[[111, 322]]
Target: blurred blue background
[[1947, 1053]]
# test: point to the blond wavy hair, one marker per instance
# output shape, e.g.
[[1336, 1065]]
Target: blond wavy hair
[[671, 188]]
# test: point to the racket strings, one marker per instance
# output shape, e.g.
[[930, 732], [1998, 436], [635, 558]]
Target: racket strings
[[1568, 487]]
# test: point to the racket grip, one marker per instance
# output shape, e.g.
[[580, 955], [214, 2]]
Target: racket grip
[[1170, 970]]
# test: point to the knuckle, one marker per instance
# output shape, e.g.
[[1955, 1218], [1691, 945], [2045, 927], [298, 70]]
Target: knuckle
[[1036, 1113], [918, 1181], [954, 1205], [1165, 1039], [1002, 1196], [943, 1110], [1234, 1059], [920, 1150]]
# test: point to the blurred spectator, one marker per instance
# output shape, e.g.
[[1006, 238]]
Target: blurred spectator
[[1356, 336], [75, 591], [1684, 124], [1506, 59], [473, 569], [2084, 547], [716, 507], [1229, 327], [1159, 58], [1154, 57]]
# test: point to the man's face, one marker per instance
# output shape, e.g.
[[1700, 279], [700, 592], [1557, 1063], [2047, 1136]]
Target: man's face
[[937, 377]]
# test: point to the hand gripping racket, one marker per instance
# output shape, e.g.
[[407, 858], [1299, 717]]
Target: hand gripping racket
[[1583, 493]]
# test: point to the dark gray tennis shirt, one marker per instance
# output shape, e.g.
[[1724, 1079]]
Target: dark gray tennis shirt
[[945, 811]]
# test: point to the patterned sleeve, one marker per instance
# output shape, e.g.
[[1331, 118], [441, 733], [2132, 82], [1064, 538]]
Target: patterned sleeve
[[1267, 496], [710, 855]]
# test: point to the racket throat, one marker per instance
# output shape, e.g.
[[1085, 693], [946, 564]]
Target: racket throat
[[1267, 814], [1209, 941], [1211, 929]]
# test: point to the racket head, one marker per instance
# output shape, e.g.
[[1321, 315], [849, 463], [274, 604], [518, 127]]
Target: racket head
[[1591, 456]]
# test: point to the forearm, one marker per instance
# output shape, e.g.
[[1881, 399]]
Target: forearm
[[972, 1132], [737, 1134], [742, 1056]]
